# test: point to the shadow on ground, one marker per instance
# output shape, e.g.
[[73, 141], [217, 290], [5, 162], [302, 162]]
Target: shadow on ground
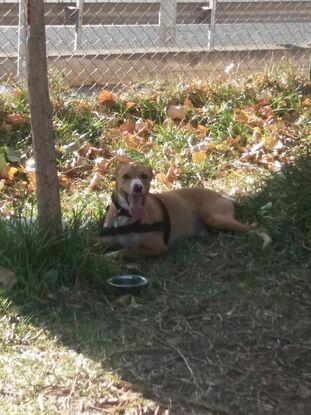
[[224, 327]]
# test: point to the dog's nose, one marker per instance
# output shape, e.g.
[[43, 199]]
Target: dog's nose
[[138, 188]]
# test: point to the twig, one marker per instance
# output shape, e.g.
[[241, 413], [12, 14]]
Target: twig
[[71, 390], [184, 359]]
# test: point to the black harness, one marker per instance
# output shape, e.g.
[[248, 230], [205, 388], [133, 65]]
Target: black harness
[[138, 227]]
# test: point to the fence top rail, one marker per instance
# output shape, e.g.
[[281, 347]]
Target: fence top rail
[[154, 1], [187, 12]]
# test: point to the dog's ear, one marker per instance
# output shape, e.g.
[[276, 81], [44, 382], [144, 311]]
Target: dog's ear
[[120, 166]]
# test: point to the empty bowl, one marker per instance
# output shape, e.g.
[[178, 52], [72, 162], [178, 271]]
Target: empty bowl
[[128, 284]]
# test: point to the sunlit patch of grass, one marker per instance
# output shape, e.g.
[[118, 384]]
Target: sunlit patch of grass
[[38, 374]]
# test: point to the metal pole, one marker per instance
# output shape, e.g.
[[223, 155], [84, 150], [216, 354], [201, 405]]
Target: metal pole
[[22, 36], [213, 4], [167, 21], [78, 28]]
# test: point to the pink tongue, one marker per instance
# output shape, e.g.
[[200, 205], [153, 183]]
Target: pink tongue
[[136, 206]]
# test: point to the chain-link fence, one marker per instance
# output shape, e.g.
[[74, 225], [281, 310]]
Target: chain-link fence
[[97, 42]]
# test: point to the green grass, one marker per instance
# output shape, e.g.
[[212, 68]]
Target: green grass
[[223, 327], [42, 264]]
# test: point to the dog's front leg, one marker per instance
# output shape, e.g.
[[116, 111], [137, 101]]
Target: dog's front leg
[[153, 249]]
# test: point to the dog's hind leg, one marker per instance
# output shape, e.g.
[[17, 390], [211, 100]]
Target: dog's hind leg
[[226, 222], [221, 215]]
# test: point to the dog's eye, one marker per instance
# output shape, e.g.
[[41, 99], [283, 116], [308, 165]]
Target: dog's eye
[[144, 176], [126, 176]]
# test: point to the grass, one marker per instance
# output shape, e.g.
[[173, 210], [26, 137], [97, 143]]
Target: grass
[[43, 264], [223, 327]]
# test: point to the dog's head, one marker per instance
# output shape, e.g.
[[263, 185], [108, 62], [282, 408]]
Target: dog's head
[[132, 186]]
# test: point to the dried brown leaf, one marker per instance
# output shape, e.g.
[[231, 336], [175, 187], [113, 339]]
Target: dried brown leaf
[[106, 98], [176, 112]]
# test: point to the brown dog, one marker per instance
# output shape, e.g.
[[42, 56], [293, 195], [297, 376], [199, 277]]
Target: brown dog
[[145, 224]]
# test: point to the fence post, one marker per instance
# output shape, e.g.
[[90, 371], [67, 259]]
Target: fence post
[[22, 35], [78, 28], [167, 21], [213, 4]]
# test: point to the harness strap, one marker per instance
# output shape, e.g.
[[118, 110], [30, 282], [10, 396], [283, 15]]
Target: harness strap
[[137, 227], [120, 209], [166, 219], [133, 227]]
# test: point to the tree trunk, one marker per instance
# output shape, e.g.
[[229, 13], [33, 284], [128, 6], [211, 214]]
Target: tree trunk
[[47, 187]]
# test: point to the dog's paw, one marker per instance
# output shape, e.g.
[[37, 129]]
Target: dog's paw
[[114, 255]]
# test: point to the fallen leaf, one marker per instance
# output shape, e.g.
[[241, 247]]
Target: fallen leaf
[[7, 278], [198, 157], [92, 153], [162, 177], [269, 142], [83, 150], [201, 131], [10, 172], [101, 164], [176, 112], [267, 113], [306, 103], [268, 158], [132, 140], [171, 174], [63, 180], [143, 126], [106, 152], [257, 133], [188, 103], [240, 116], [255, 121], [95, 181], [204, 145], [81, 106], [265, 94], [106, 98], [16, 120], [128, 127], [130, 104]]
